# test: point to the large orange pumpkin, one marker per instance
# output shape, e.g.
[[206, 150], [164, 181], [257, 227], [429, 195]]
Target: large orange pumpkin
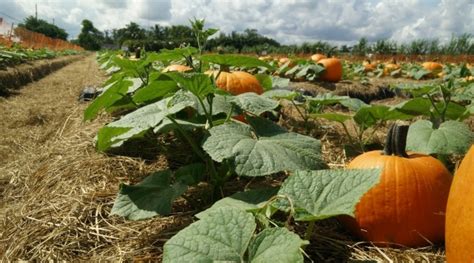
[[179, 68], [333, 72], [389, 68], [434, 67], [237, 82], [408, 206], [318, 57], [460, 213]]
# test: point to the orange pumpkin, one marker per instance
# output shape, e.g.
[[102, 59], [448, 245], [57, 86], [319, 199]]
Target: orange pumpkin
[[179, 68], [333, 69], [389, 68], [460, 213], [237, 82], [434, 67], [285, 60], [408, 206], [317, 57], [369, 66]]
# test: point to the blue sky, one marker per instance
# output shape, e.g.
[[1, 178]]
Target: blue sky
[[288, 21]]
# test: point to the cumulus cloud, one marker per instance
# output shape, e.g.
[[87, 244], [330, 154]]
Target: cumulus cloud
[[288, 21]]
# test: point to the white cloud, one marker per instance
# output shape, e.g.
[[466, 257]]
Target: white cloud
[[288, 21]]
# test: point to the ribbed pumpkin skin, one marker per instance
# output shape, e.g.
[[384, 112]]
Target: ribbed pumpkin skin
[[434, 67], [408, 204], [179, 68], [317, 57], [333, 68], [460, 213], [237, 82]]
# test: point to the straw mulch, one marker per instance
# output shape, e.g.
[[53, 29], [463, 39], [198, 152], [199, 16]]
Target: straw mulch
[[57, 191]]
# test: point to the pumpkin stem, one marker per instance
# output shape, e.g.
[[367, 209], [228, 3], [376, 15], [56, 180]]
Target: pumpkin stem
[[388, 149], [400, 142], [396, 141], [225, 68]]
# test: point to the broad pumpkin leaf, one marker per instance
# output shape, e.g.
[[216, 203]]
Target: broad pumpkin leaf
[[327, 99], [423, 106], [153, 196], [137, 122], [111, 94], [281, 94], [278, 82], [197, 83], [276, 245], [326, 193], [262, 148], [221, 236], [235, 60], [246, 201], [226, 235], [175, 54], [451, 137], [370, 115], [254, 103], [153, 91]]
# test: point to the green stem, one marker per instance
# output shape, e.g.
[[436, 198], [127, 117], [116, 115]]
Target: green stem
[[305, 119], [349, 136], [188, 139], [208, 116], [309, 230]]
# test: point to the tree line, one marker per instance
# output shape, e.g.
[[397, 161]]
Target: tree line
[[158, 37]]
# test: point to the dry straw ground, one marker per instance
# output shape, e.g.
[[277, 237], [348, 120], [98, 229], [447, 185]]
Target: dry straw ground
[[56, 191]]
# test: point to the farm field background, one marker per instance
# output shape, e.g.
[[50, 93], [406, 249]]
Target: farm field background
[[181, 144]]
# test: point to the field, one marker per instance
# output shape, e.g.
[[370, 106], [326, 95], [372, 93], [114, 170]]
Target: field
[[59, 192]]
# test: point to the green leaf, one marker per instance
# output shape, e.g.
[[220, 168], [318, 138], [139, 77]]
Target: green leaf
[[370, 115], [222, 236], [451, 137], [281, 94], [151, 197], [327, 193], [245, 201], [138, 122], [331, 116], [423, 106], [254, 103], [278, 82], [111, 94], [175, 54], [153, 91], [276, 245], [197, 83], [235, 60], [262, 148], [265, 80], [191, 174]]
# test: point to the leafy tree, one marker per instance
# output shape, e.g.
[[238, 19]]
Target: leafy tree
[[90, 37], [41, 26]]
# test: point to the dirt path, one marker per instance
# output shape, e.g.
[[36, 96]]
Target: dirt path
[[56, 191]]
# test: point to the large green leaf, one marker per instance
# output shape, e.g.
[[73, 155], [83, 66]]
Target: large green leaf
[[221, 236], [175, 54], [153, 196], [274, 245], [226, 235], [153, 91], [281, 94], [423, 106], [450, 137], [262, 148], [111, 94], [370, 115], [235, 60], [326, 193], [254, 103], [197, 83], [137, 122], [246, 201]]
